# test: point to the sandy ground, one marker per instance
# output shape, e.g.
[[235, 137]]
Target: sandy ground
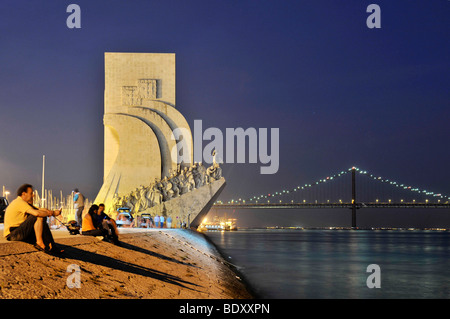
[[162, 264]]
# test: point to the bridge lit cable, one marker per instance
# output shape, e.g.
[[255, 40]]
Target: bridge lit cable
[[275, 197]]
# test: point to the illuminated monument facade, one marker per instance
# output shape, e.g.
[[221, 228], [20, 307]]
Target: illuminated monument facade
[[148, 149]]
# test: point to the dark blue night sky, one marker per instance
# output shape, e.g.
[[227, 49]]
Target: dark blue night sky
[[340, 93]]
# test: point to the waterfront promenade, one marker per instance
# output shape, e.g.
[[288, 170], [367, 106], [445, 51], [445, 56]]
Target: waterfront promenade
[[154, 263]]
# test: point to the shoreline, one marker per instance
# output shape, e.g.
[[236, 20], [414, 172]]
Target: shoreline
[[154, 264], [251, 289]]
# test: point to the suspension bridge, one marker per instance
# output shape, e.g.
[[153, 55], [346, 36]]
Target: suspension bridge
[[351, 189]]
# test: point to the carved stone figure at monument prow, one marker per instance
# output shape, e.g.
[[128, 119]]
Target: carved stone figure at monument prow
[[183, 196], [140, 122]]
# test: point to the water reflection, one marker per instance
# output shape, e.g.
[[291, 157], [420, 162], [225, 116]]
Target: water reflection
[[332, 264]]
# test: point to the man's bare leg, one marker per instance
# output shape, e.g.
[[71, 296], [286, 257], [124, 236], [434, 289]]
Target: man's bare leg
[[38, 228]]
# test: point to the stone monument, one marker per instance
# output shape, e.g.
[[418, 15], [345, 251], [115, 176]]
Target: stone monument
[[148, 150]]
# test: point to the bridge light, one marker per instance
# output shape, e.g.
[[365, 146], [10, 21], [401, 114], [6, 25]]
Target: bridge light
[[389, 201], [377, 200]]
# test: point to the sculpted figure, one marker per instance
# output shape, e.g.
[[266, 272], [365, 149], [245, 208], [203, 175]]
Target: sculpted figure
[[154, 195], [115, 203], [203, 174], [214, 172], [210, 173], [183, 182], [176, 185], [190, 179], [121, 201], [143, 204], [157, 196], [196, 175], [148, 195], [137, 200], [214, 153], [167, 189], [128, 202]]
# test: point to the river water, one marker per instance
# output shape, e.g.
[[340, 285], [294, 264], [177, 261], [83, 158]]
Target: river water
[[333, 263]]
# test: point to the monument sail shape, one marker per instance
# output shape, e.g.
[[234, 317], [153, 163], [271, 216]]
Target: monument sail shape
[[148, 167]]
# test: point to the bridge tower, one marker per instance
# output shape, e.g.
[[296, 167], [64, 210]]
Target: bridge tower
[[354, 206]]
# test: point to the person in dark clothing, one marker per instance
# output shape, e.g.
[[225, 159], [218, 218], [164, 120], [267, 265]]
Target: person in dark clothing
[[95, 225], [102, 219], [88, 226]]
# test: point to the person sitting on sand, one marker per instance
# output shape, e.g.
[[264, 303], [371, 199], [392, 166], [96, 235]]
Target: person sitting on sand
[[24, 222], [103, 220], [90, 229]]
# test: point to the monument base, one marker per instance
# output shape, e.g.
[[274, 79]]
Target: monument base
[[191, 207]]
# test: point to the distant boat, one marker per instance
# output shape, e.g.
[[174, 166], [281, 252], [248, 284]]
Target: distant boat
[[217, 225]]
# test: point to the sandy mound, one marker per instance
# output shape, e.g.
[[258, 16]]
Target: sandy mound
[[157, 264]]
